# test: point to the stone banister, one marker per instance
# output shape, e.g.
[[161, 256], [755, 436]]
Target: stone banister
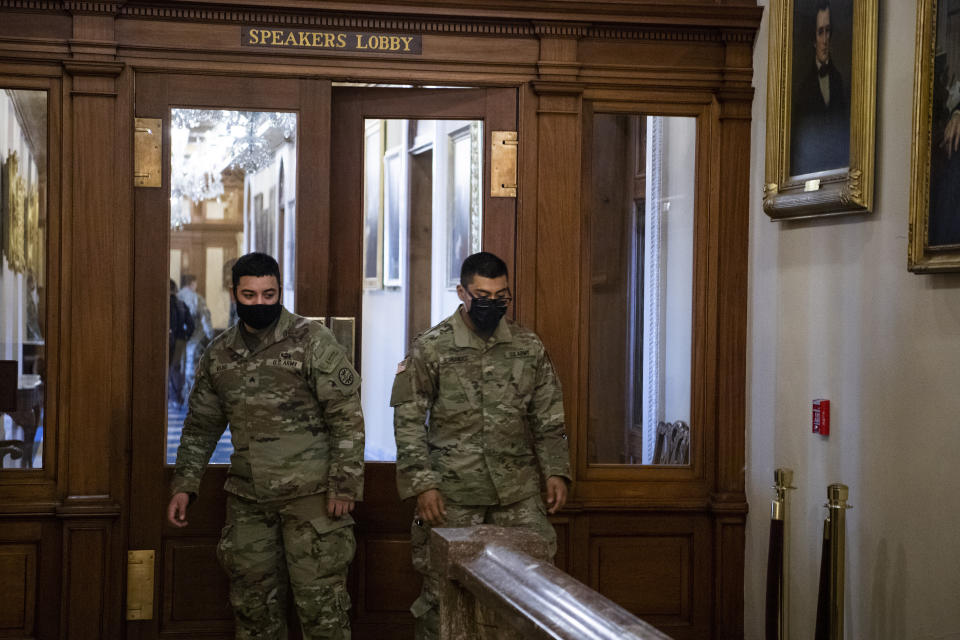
[[497, 582]]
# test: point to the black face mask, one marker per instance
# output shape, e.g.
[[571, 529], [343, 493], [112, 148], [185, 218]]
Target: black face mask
[[485, 313], [258, 316]]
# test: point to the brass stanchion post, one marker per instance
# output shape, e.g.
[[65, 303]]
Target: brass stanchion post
[[837, 505], [777, 626]]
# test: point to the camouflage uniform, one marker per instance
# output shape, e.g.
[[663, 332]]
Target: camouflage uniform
[[297, 429], [475, 418]]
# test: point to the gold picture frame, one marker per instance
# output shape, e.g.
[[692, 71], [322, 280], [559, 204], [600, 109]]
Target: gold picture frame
[[33, 256], [820, 148], [934, 235], [373, 149], [14, 213]]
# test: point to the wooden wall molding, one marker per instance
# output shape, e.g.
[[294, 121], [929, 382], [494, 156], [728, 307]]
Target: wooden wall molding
[[93, 68], [89, 507], [99, 8], [33, 5], [547, 88], [604, 28]]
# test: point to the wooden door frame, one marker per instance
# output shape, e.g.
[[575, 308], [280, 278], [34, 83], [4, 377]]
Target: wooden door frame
[[382, 517], [558, 56], [371, 102], [156, 94]]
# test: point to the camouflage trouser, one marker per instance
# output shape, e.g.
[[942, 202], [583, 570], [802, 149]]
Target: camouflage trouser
[[265, 545], [529, 513]]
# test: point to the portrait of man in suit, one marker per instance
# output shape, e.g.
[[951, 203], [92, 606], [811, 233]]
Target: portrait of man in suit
[[820, 106], [944, 216]]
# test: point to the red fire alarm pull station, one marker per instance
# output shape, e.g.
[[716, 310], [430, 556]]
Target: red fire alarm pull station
[[821, 417]]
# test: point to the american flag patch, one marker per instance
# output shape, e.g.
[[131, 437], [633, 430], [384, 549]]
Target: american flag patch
[[401, 366]]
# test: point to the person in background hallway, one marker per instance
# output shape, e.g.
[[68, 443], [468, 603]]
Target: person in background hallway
[[477, 408], [181, 328], [202, 332], [292, 401]]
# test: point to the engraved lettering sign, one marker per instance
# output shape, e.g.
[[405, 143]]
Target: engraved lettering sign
[[331, 40]]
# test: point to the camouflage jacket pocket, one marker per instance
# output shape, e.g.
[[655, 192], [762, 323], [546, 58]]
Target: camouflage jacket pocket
[[460, 385], [325, 524]]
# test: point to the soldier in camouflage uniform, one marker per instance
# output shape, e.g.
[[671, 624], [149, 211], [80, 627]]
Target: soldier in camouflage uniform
[[477, 408], [291, 399]]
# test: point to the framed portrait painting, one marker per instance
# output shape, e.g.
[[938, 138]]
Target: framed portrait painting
[[821, 108], [373, 205], [934, 238], [14, 201], [393, 258], [464, 215]]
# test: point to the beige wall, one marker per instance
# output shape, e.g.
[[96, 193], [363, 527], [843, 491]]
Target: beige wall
[[834, 313]]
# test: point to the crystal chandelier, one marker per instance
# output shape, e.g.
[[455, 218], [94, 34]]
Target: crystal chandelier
[[251, 152], [205, 142]]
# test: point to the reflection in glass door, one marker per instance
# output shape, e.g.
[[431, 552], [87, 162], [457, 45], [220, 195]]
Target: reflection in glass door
[[23, 276], [422, 217], [232, 191], [641, 289]]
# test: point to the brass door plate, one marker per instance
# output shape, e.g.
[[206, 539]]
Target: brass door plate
[[147, 148], [503, 164], [140, 563]]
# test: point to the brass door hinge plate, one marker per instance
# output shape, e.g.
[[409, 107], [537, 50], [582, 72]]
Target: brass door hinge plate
[[147, 149], [503, 164], [140, 565]]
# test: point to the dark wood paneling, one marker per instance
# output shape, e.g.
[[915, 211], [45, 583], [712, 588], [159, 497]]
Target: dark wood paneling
[[313, 212], [499, 214], [658, 567], [525, 303], [649, 576], [729, 545], [17, 25], [86, 553], [392, 591], [195, 590], [100, 233], [731, 319], [18, 589], [561, 525], [559, 241], [29, 578]]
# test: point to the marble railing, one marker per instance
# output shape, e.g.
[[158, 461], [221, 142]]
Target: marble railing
[[497, 583]]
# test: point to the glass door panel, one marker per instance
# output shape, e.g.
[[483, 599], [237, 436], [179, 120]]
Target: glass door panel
[[23, 286], [641, 289], [422, 217], [232, 191]]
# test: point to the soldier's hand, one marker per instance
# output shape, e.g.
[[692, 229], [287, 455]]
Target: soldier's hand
[[556, 493], [177, 509], [337, 507], [430, 507]]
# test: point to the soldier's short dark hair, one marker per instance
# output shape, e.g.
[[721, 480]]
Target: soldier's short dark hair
[[483, 264], [187, 279], [255, 264]]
